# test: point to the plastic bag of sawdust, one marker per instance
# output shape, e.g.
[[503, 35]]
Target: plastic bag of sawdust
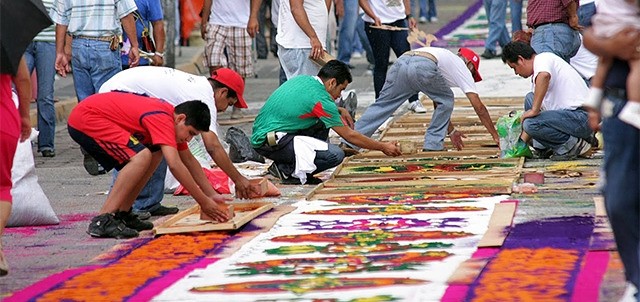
[[509, 129], [240, 149], [30, 205], [218, 179]]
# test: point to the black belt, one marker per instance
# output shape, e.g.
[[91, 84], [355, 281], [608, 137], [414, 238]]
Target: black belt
[[618, 93], [544, 23]]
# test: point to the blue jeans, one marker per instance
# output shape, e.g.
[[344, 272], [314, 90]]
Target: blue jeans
[[621, 191], [295, 61], [557, 130], [382, 42], [152, 193], [496, 15], [431, 11], [585, 12], [516, 15], [347, 30], [42, 57], [364, 40], [93, 63], [557, 38], [408, 76]]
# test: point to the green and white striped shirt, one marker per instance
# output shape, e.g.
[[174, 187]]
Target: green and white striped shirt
[[95, 18]]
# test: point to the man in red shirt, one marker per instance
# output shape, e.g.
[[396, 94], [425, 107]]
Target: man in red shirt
[[125, 131]]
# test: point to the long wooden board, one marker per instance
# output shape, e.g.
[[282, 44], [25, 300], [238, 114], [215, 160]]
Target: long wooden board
[[189, 219]]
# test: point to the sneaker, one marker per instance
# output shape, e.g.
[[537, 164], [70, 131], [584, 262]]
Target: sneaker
[[580, 149], [541, 153], [356, 55], [275, 172], [311, 180], [48, 153], [433, 19], [4, 266], [164, 211], [488, 54], [92, 166], [132, 221], [107, 226], [423, 19], [142, 215], [236, 113], [417, 107]]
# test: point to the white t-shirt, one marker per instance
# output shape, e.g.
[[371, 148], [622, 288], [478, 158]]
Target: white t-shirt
[[567, 90], [171, 85], [289, 33], [232, 13], [452, 68], [585, 62], [387, 11]]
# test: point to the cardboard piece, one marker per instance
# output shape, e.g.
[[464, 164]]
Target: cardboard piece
[[501, 219], [324, 59], [189, 220]]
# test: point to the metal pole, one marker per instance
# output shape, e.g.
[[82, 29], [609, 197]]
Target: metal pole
[[169, 9]]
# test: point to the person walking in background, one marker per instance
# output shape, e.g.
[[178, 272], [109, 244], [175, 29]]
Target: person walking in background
[[224, 28], [515, 8], [95, 47], [428, 11], [148, 16], [621, 147], [15, 126], [555, 27], [498, 34], [347, 33], [41, 56], [382, 41]]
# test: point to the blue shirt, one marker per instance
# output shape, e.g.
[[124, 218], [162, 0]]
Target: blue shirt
[[150, 11]]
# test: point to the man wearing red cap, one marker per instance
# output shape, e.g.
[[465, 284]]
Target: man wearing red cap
[[432, 71], [225, 88]]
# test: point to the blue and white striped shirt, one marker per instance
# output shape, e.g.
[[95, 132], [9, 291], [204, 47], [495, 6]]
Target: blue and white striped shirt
[[95, 18]]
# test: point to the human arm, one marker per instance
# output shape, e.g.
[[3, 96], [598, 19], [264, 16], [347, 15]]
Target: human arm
[[62, 59], [191, 177], [220, 157], [483, 114], [623, 45], [411, 21], [345, 116], [364, 4], [22, 80], [541, 86], [353, 137], [159, 39], [129, 26], [339, 7], [253, 25], [572, 12], [300, 15], [206, 12]]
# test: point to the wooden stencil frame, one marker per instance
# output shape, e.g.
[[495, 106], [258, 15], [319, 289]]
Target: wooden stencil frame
[[251, 210]]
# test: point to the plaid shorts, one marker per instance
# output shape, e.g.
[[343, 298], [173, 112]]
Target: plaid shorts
[[236, 41]]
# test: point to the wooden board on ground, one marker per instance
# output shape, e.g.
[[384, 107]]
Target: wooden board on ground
[[488, 152], [236, 121], [501, 218], [189, 219]]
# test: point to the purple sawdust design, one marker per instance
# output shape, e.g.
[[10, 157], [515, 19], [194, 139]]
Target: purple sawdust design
[[455, 23], [388, 223]]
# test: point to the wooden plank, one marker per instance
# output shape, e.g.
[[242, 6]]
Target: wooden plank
[[486, 152], [500, 220], [432, 189], [354, 161], [415, 183], [189, 220]]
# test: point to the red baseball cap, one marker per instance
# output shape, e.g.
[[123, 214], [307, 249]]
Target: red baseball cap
[[232, 80], [474, 59]]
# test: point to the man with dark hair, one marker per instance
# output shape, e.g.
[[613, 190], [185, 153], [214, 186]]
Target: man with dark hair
[[224, 89], [293, 126], [125, 131], [554, 117], [433, 71]]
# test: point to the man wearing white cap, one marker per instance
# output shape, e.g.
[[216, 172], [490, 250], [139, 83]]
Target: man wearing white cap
[[223, 89], [432, 71]]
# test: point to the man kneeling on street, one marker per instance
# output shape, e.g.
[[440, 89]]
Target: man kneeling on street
[[132, 133], [293, 126]]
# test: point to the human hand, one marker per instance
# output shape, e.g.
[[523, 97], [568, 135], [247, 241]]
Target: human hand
[[25, 128], [391, 149], [593, 117], [345, 116], [157, 60], [252, 27], [62, 64], [217, 211], [412, 22], [134, 56], [527, 114], [376, 21], [456, 139], [203, 30], [573, 22], [244, 188], [316, 49]]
